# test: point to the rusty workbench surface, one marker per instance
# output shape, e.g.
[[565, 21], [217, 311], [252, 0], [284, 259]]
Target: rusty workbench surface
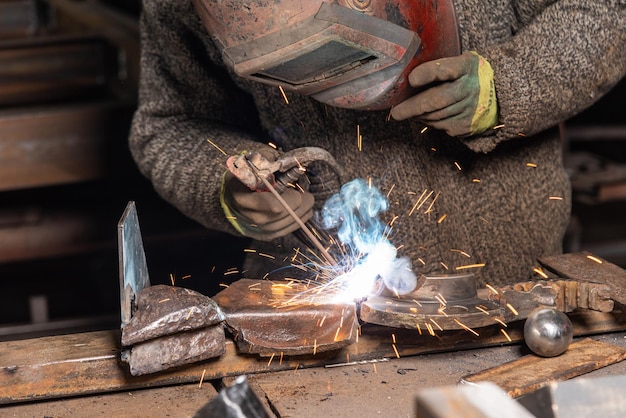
[[385, 388]]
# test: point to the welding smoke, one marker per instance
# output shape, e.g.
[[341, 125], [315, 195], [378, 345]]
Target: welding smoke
[[354, 213]]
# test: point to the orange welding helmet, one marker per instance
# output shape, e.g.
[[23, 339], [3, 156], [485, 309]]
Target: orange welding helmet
[[353, 54]]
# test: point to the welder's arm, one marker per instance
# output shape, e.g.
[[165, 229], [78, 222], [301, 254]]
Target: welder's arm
[[457, 95], [191, 115]]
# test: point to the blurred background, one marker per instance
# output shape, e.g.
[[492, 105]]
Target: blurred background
[[68, 85]]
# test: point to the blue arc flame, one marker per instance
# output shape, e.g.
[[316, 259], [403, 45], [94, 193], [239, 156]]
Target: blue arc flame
[[354, 213]]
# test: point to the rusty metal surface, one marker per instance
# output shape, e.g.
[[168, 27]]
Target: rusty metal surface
[[586, 267], [264, 322], [163, 310], [452, 302], [448, 301], [176, 350]]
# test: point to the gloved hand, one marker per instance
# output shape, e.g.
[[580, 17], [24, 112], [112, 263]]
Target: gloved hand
[[258, 214], [463, 100]]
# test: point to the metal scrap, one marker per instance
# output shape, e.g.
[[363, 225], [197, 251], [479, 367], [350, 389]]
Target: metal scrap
[[263, 321]]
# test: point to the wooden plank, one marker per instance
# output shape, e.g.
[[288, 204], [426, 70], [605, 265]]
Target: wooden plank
[[88, 363], [63, 144], [531, 372], [173, 401]]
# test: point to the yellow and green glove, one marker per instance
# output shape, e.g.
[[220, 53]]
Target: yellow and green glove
[[457, 95]]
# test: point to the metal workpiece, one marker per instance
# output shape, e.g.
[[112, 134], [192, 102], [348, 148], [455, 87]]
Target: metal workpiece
[[585, 267], [175, 350], [482, 400], [452, 301], [444, 301], [164, 310], [265, 320], [580, 397]]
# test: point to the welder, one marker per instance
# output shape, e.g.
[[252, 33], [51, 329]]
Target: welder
[[461, 98]]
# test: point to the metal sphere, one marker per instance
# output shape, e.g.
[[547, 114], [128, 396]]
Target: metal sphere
[[548, 332]]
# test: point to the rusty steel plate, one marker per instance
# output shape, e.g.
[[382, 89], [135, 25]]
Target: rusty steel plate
[[265, 321]]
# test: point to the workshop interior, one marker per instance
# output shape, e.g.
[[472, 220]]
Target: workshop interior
[[87, 244]]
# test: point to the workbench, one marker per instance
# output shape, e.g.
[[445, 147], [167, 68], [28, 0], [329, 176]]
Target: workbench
[[384, 387]]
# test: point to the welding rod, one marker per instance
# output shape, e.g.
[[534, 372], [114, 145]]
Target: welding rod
[[293, 214]]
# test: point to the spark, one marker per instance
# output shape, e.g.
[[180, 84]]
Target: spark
[[482, 309], [189, 314], [420, 202], [501, 322], [470, 266], [186, 277], [436, 324], [271, 257], [430, 329], [216, 147], [505, 334], [280, 360], [512, 309], [531, 165], [540, 272], [395, 350], [441, 299], [283, 93], [254, 285], [202, 378], [440, 220], [249, 250], [322, 321], [359, 138], [475, 180], [444, 265], [522, 134], [465, 327], [458, 167], [498, 127], [172, 278], [337, 334], [224, 285], [492, 289], [315, 346], [432, 203], [417, 303], [555, 198], [424, 129], [164, 300], [390, 189], [596, 259], [393, 338], [461, 252], [419, 329]]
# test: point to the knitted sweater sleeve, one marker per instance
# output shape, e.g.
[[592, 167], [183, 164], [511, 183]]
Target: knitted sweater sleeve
[[563, 56], [189, 111]]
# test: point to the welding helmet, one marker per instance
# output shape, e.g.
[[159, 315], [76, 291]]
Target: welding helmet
[[353, 54]]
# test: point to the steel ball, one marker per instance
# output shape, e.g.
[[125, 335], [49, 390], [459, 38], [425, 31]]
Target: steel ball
[[548, 332]]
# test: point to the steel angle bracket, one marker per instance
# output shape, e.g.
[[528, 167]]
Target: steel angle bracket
[[133, 269]]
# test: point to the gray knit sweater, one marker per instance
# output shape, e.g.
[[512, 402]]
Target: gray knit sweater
[[503, 198]]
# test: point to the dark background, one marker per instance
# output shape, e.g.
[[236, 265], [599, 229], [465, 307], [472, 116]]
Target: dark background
[[65, 179]]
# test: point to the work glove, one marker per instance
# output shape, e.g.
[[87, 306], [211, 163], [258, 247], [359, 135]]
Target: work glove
[[457, 95], [257, 213]]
